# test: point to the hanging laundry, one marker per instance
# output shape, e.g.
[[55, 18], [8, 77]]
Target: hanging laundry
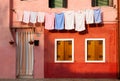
[[59, 21], [89, 16], [49, 21], [97, 16], [80, 20], [19, 14], [33, 17], [26, 16], [69, 20], [41, 16]]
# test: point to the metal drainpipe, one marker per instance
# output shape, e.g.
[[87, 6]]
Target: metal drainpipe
[[118, 15]]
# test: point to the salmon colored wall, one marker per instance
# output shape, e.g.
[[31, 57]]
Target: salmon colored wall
[[7, 51], [79, 68], [42, 5], [39, 56]]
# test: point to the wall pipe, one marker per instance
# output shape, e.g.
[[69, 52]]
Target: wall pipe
[[118, 40]]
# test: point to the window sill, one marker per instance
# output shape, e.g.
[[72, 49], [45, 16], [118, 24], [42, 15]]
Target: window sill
[[64, 61]]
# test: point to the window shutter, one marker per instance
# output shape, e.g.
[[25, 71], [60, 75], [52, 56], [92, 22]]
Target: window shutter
[[60, 50], [64, 50], [99, 50], [65, 2], [68, 50], [91, 50], [93, 2], [51, 4], [101, 3], [95, 50], [111, 3], [57, 3]]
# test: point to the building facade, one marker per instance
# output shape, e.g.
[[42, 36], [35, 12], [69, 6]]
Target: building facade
[[29, 49]]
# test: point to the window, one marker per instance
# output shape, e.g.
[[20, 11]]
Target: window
[[95, 50], [57, 3], [102, 3], [64, 50]]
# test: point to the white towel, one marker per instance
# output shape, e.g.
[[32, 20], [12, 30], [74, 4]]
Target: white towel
[[19, 14], [69, 20], [33, 17], [89, 16], [80, 20], [26, 16], [41, 16]]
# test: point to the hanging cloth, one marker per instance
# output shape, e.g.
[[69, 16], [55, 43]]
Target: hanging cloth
[[41, 16], [19, 14], [49, 21], [33, 17], [59, 21], [69, 20], [89, 16], [97, 16], [26, 16], [80, 20]]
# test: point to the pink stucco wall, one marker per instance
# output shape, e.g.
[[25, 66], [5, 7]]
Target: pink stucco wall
[[40, 5], [8, 52]]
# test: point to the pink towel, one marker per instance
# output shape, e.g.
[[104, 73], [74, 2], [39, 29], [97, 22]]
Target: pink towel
[[49, 21]]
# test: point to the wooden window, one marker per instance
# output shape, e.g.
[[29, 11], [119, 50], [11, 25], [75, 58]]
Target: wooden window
[[64, 50], [102, 3], [57, 3], [95, 50]]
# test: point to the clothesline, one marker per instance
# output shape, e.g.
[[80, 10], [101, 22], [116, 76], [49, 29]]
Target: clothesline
[[67, 20]]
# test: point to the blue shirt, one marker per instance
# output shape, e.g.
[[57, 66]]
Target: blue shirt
[[97, 16], [59, 21]]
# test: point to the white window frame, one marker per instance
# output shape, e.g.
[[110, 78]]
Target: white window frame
[[64, 39], [95, 61]]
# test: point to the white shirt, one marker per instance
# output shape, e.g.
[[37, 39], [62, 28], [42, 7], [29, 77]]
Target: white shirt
[[89, 16], [80, 20], [33, 17], [26, 16], [19, 14], [69, 20], [41, 16]]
